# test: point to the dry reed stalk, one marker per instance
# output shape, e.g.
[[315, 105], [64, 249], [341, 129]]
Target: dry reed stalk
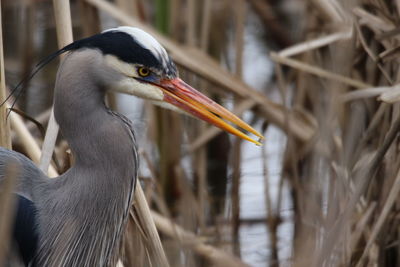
[[391, 95], [272, 221], [374, 123], [385, 94], [134, 253], [240, 12], [190, 37], [215, 256], [309, 185], [7, 204], [318, 71], [360, 227], [235, 193], [153, 239], [266, 12], [309, 45], [201, 174], [273, 218], [389, 54], [371, 54], [340, 195], [332, 10], [5, 139], [42, 118], [371, 139], [129, 6], [89, 16], [29, 143], [205, 25], [390, 201], [201, 64], [62, 14], [174, 18], [158, 199], [208, 200], [200, 157], [374, 22], [397, 3], [363, 179]]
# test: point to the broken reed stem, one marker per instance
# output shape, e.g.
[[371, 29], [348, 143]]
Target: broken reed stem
[[5, 139]]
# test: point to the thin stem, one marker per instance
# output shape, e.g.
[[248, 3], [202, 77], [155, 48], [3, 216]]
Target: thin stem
[[5, 140]]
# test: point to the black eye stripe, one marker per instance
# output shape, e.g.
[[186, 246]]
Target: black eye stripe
[[126, 48]]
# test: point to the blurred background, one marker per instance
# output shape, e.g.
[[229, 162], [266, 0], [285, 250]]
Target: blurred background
[[318, 78]]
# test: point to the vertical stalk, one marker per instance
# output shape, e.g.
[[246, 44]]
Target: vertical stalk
[[62, 15], [272, 218], [201, 171], [174, 13], [5, 140], [190, 37], [200, 156], [8, 183], [7, 203], [89, 17], [240, 14], [205, 26], [154, 242]]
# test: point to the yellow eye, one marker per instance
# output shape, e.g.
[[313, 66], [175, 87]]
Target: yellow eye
[[143, 72]]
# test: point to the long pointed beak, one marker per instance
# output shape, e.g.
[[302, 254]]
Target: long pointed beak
[[183, 96]]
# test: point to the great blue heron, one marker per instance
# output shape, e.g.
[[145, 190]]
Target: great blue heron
[[78, 218]]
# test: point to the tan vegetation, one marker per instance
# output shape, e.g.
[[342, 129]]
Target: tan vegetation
[[333, 96]]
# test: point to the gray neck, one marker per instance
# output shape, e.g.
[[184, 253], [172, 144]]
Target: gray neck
[[97, 191]]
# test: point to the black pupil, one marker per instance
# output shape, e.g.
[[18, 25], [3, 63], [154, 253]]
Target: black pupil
[[144, 71]]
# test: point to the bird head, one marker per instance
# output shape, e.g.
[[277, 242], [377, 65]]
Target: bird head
[[148, 72]]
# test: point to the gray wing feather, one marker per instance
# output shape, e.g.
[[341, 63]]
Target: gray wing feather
[[28, 175]]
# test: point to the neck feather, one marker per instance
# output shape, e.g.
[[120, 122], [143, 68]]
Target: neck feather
[[96, 192]]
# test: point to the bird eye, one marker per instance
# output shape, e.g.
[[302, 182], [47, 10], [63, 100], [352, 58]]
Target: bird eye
[[143, 72]]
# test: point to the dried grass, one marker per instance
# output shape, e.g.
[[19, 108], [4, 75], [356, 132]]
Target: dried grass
[[340, 76], [339, 88]]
